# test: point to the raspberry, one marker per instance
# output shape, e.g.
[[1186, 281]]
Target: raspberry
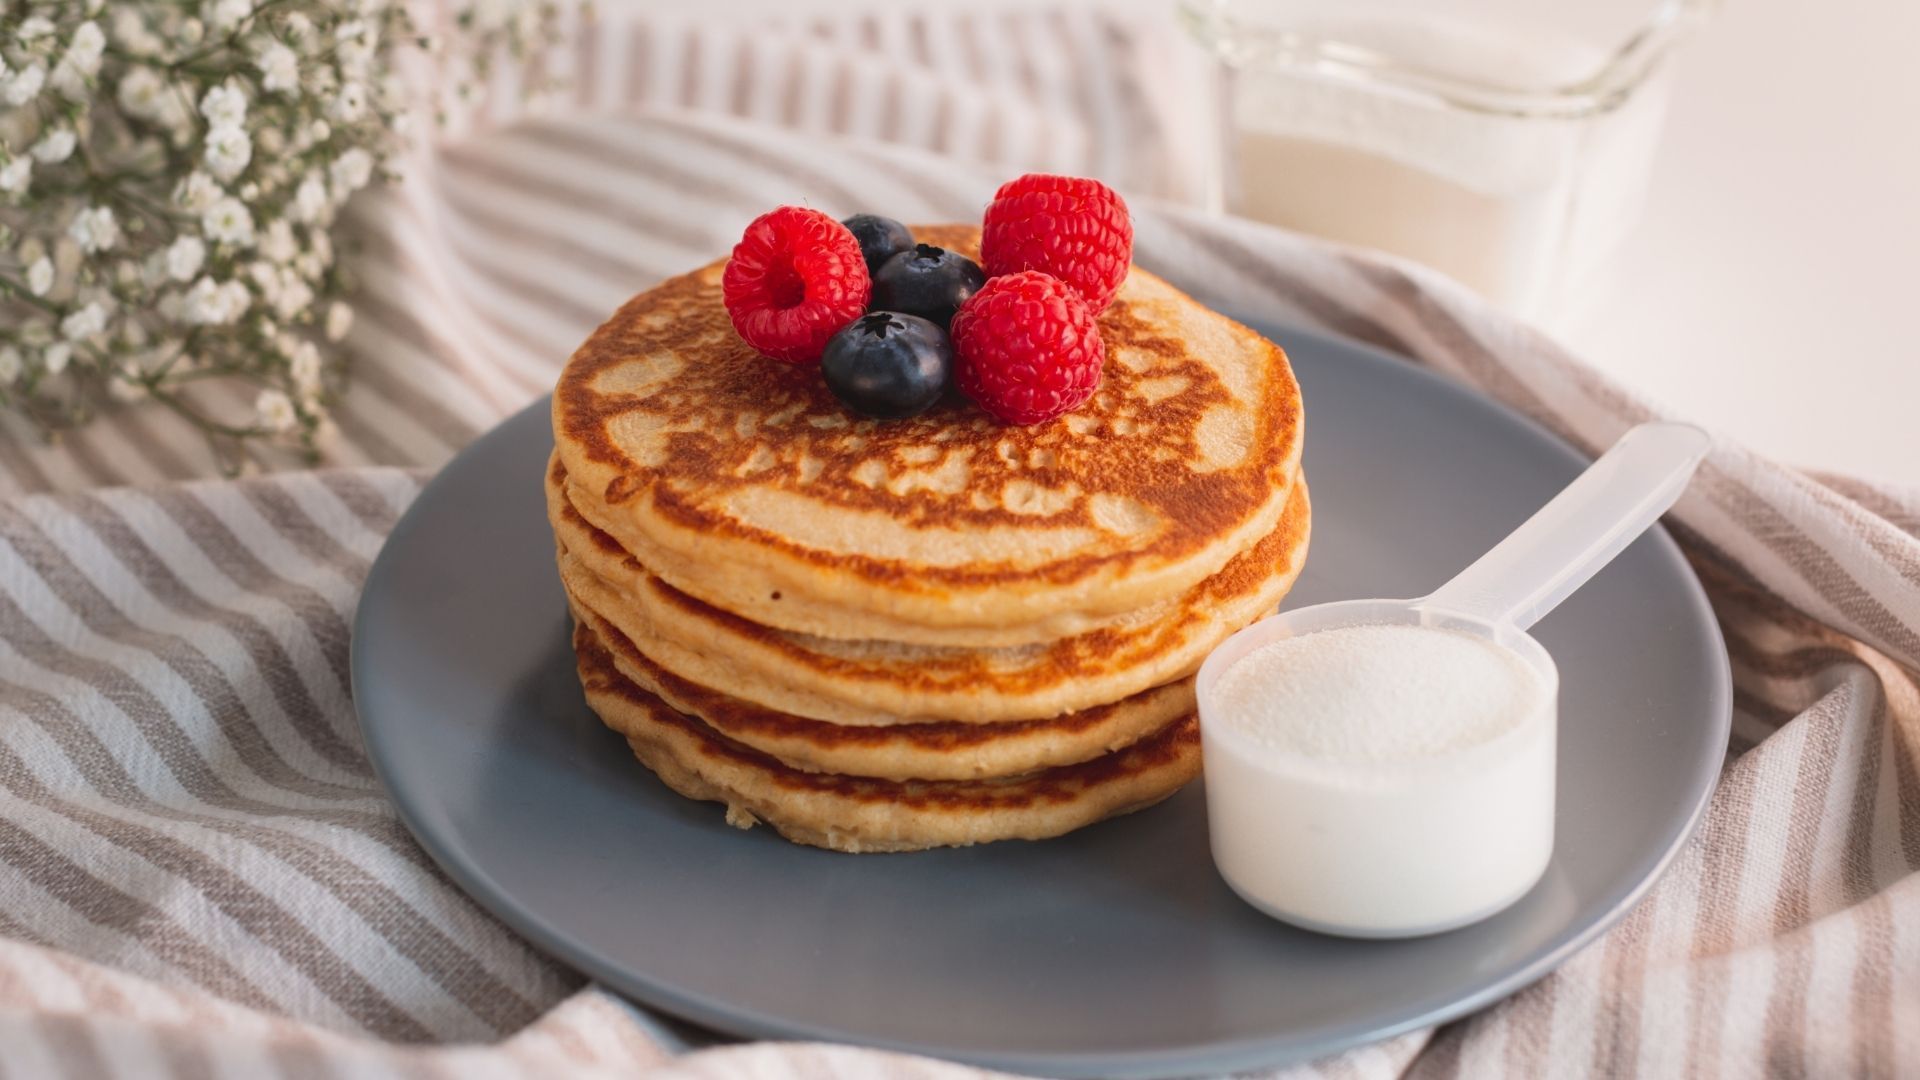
[[796, 277], [1074, 228], [1027, 348]]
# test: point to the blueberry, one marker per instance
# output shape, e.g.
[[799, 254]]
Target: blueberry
[[881, 238], [928, 281], [888, 365]]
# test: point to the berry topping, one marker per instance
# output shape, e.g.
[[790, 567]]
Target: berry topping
[[928, 281], [881, 238], [888, 365], [795, 278], [1028, 348], [1074, 228]]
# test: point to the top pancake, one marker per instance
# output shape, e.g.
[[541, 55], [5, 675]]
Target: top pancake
[[743, 482]]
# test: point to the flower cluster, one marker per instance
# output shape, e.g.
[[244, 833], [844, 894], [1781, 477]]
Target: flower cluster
[[170, 176]]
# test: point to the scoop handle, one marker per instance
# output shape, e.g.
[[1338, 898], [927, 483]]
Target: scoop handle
[[1568, 540]]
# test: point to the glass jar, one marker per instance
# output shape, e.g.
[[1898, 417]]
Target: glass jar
[[1507, 144]]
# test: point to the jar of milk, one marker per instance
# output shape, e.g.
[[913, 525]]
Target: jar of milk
[[1506, 143]]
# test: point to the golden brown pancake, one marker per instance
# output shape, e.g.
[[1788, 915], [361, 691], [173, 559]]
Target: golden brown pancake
[[854, 814], [946, 529], [927, 751], [884, 683]]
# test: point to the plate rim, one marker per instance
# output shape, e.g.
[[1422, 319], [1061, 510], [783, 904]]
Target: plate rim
[[1228, 1055]]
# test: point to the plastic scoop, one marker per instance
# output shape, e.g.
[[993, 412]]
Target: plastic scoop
[[1400, 845]]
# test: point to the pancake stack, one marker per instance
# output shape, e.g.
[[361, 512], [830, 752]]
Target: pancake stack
[[888, 636]]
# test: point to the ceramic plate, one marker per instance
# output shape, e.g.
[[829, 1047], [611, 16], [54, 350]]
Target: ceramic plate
[[1114, 951]]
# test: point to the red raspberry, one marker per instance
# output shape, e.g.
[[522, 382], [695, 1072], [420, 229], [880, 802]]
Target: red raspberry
[[1027, 348], [1074, 228], [796, 277]]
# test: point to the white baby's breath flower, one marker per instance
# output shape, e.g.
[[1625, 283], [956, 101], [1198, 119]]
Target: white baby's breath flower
[[310, 199], [130, 31], [278, 243], [15, 175], [25, 84], [299, 27], [40, 276], [224, 15], [224, 105], [33, 28], [339, 320], [294, 296], [9, 364], [55, 356], [141, 92], [349, 104], [228, 151], [228, 221], [197, 192], [184, 258], [320, 131], [85, 47], [84, 323], [191, 32], [95, 230], [351, 171], [276, 412], [279, 68], [55, 146], [214, 303], [303, 364]]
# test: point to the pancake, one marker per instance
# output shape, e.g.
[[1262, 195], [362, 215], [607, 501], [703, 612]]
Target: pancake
[[932, 751], [871, 682], [853, 814], [946, 529]]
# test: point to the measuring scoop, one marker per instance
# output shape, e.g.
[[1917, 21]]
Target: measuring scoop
[[1422, 844]]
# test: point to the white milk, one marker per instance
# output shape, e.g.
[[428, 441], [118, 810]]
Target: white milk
[[1519, 208], [1381, 779]]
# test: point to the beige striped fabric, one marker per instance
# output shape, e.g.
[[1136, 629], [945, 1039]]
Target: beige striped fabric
[[199, 875]]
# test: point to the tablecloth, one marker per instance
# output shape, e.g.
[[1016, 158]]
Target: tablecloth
[[199, 874]]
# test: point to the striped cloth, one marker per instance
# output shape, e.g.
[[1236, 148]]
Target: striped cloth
[[199, 875]]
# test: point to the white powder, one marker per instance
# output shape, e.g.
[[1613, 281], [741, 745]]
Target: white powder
[[1377, 693]]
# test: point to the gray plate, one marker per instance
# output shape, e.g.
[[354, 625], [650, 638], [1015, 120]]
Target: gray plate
[[1114, 951]]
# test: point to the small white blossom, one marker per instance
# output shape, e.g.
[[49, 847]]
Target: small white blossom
[[303, 363], [310, 199], [191, 32], [55, 356], [349, 104], [95, 230], [224, 15], [15, 175], [33, 28], [224, 105], [276, 412], [351, 171], [228, 221], [293, 297], [320, 131], [55, 146], [279, 68], [131, 32], [228, 152], [9, 365], [25, 85], [85, 47], [141, 93], [299, 27], [339, 320], [211, 303], [184, 258], [197, 192], [40, 276], [84, 323], [278, 244]]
